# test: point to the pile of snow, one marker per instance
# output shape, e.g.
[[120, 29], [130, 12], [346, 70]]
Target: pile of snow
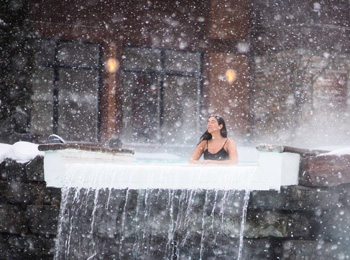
[[21, 152], [339, 152]]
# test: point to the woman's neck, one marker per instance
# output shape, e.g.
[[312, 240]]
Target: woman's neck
[[217, 136]]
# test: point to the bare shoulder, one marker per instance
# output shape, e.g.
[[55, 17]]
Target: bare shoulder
[[202, 144], [230, 143]]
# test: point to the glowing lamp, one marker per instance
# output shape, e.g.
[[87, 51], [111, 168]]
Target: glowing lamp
[[112, 65], [230, 75]]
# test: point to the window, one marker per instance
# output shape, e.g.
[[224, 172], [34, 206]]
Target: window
[[330, 93], [161, 95], [66, 88]]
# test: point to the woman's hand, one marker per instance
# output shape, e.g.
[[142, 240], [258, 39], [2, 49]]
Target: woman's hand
[[195, 161], [198, 153], [219, 162], [209, 162], [213, 162]]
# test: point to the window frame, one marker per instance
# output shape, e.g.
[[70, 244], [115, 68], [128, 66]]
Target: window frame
[[56, 66], [162, 73]]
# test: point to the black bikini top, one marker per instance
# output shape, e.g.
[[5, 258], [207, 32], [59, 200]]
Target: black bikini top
[[219, 156]]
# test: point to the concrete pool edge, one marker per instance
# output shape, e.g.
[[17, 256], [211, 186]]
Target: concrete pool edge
[[93, 169]]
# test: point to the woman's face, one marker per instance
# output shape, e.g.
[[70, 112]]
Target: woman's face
[[213, 125]]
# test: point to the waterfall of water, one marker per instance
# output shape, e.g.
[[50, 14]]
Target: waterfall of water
[[243, 219], [109, 223]]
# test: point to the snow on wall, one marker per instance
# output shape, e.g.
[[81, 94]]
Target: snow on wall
[[21, 152]]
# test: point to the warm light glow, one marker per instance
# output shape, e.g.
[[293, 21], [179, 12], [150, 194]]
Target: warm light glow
[[112, 65], [230, 75]]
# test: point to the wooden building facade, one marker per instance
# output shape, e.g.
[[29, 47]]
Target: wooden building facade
[[152, 71]]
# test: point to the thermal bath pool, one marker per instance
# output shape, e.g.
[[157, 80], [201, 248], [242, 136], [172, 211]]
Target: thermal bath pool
[[81, 168], [149, 210]]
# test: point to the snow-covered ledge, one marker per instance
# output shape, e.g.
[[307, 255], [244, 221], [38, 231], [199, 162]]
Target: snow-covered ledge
[[74, 167]]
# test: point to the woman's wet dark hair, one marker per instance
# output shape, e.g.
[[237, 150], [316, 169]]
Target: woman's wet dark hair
[[223, 130]]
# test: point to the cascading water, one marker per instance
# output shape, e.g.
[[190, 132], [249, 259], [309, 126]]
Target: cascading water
[[113, 208], [109, 223]]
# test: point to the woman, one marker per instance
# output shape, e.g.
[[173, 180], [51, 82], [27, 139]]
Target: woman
[[215, 145]]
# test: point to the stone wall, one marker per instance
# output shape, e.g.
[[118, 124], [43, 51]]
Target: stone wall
[[309, 221], [300, 223], [28, 211]]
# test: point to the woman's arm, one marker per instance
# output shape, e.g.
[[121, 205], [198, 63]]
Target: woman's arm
[[198, 153], [232, 153]]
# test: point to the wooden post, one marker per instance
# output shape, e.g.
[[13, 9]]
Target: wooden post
[[112, 67], [108, 105]]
